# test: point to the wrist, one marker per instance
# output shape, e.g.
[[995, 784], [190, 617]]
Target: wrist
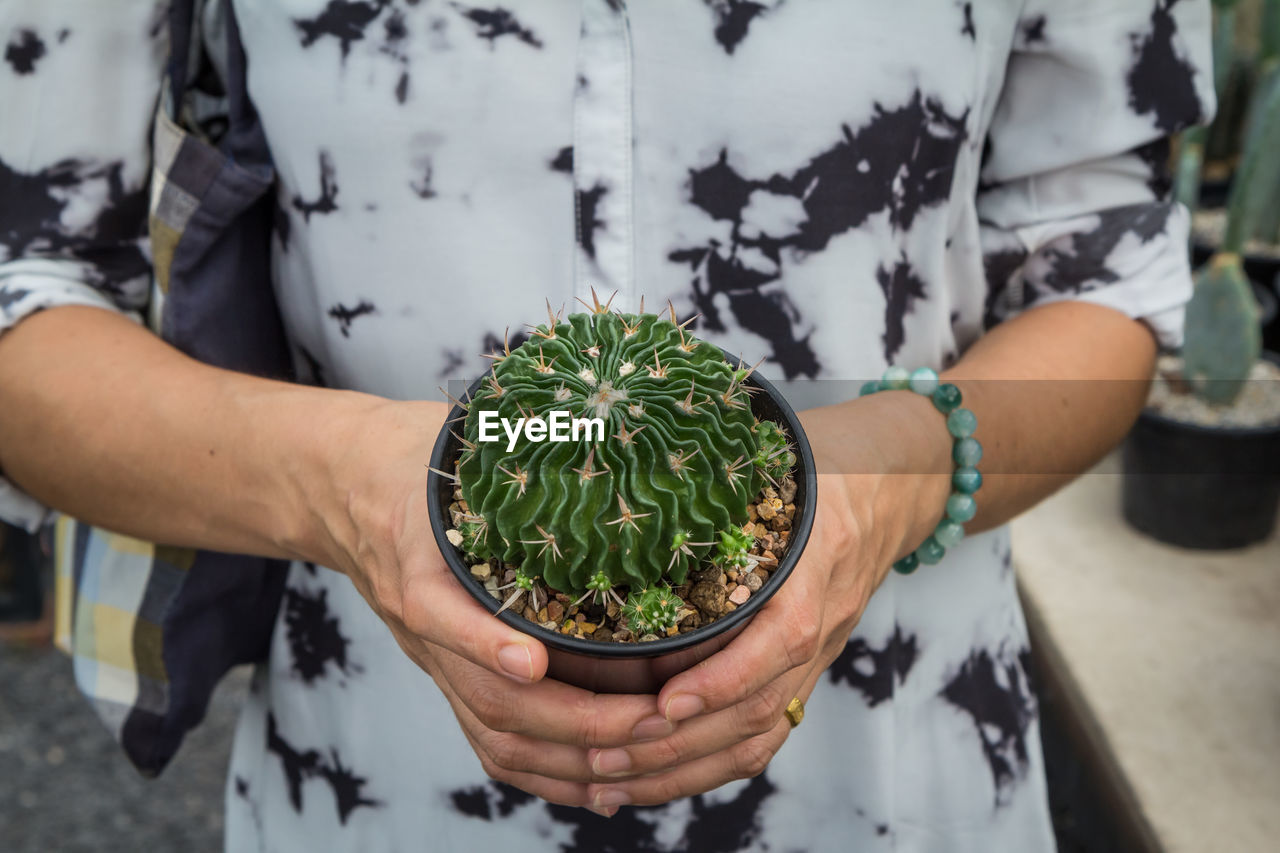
[[367, 463], [892, 453]]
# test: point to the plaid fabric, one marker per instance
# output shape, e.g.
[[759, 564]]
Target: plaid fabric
[[111, 593], [182, 171], [152, 629]]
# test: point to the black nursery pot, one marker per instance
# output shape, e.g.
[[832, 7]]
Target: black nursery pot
[[607, 667], [1201, 487]]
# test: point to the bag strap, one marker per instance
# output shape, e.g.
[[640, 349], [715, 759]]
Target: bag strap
[[244, 141], [182, 22]]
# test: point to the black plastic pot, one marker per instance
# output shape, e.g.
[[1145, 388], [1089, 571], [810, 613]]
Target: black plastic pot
[[605, 667], [1271, 334], [1201, 487]]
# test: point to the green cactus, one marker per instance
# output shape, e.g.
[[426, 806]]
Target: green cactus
[[1254, 206], [733, 551], [653, 610], [1223, 335], [681, 458]]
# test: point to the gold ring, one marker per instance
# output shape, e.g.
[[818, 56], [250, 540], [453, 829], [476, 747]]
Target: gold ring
[[795, 712]]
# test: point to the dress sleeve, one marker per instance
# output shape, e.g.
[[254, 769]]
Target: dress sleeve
[[1074, 197], [78, 84]]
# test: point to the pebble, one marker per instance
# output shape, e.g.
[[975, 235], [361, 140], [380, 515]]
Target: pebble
[[708, 597], [767, 510], [481, 571], [611, 609], [712, 575], [549, 625], [587, 627], [544, 614], [752, 515], [752, 582], [454, 537], [555, 610], [740, 595], [787, 491], [457, 494], [530, 613]]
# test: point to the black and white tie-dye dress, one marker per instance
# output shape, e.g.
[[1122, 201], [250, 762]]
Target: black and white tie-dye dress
[[834, 185]]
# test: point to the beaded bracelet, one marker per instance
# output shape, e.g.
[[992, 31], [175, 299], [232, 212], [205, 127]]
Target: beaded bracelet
[[965, 452]]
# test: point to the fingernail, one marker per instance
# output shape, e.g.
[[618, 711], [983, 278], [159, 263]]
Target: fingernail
[[652, 728], [682, 706], [603, 812], [611, 762], [610, 797], [516, 662]]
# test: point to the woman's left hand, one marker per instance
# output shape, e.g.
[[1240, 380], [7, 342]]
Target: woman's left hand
[[731, 707]]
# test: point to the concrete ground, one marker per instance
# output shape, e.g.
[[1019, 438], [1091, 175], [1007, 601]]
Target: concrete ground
[[66, 786]]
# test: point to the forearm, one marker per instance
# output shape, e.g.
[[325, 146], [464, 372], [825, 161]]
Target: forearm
[[1054, 390], [106, 422]]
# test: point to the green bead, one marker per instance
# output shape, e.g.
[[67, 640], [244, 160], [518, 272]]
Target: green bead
[[961, 508], [869, 388], [924, 381], [930, 552], [966, 480], [907, 564], [966, 452], [946, 398], [948, 533], [961, 423], [895, 378]]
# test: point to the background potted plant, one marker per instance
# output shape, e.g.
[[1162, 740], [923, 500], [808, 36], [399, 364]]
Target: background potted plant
[[1202, 463], [1246, 61], [635, 556]]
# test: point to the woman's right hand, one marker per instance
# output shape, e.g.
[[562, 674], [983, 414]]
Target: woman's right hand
[[528, 731]]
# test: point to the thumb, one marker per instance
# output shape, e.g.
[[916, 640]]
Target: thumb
[[437, 608]]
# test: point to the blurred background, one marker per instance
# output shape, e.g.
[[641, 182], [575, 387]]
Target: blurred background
[[1152, 585]]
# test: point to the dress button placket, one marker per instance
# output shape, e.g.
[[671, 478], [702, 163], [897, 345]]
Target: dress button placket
[[604, 254]]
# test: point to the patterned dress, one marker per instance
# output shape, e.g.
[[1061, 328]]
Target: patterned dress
[[832, 185]]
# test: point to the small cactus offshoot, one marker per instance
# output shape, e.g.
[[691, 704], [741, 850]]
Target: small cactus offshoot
[[653, 610], [733, 551]]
